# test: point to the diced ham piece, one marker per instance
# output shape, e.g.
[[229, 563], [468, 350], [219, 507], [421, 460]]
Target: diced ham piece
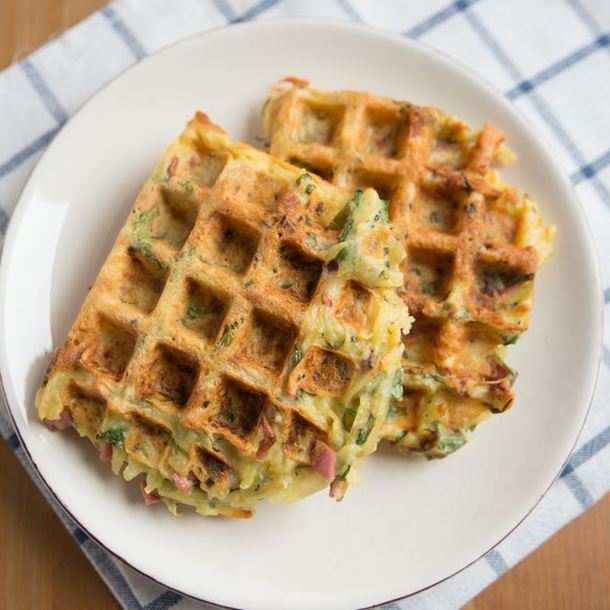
[[267, 440], [338, 489], [63, 421], [498, 372], [183, 483], [172, 167], [149, 498], [290, 201], [326, 300], [106, 451], [323, 459]]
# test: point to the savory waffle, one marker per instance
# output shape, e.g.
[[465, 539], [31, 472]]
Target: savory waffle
[[242, 338], [473, 244]]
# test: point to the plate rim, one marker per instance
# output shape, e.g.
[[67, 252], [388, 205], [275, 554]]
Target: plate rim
[[419, 46]]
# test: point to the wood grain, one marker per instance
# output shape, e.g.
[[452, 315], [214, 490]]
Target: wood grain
[[41, 566]]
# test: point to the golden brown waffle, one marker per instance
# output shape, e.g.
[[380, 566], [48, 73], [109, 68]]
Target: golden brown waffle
[[220, 351], [473, 245]]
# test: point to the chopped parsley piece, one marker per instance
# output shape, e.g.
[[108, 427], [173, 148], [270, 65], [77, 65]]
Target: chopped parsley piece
[[145, 250], [396, 391], [341, 255], [347, 229], [306, 180], [494, 282], [510, 339], [347, 419], [363, 433], [194, 311], [227, 335], [143, 218], [286, 285], [298, 356], [434, 377], [343, 475], [186, 185], [116, 436], [450, 440], [342, 216]]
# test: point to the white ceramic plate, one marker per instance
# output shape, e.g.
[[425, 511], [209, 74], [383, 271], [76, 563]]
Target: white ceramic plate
[[411, 523]]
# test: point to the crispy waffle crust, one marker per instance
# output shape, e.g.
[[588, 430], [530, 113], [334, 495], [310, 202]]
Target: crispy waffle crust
[[243, 336], [473, 244]]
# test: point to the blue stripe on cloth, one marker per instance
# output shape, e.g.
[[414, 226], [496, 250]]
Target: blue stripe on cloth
[[44, 91], [36, 146], [256, 10], [226, 9], [115, 580], [496, 562], [587, 451], [164, 601], [589, 170], [539, 104], [606, 356], [13, 441], [558, 67], [578, 490], [4, 218], [585, 16], [80, 536], [350, 11], [607, 295], [124, 33], [439, 17]]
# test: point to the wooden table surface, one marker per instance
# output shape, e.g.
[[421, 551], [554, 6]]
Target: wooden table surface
[[41, 566]]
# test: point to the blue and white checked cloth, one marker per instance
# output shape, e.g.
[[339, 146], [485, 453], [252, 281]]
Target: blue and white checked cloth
[[551, 57]]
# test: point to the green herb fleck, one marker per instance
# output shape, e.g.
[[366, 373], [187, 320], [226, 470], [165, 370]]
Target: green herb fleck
[[346, 211], [343, 475], [396, 390], [450, 440], [143, 248], [434, 377], [341, 255], [347, 419], [186, 185], [227, 335], [116, 436], [510, 339], [194, 311], [435, 217], [143, 218], [307, 180], [286, 285], [347, 229], [298, 356], [363, 433]]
